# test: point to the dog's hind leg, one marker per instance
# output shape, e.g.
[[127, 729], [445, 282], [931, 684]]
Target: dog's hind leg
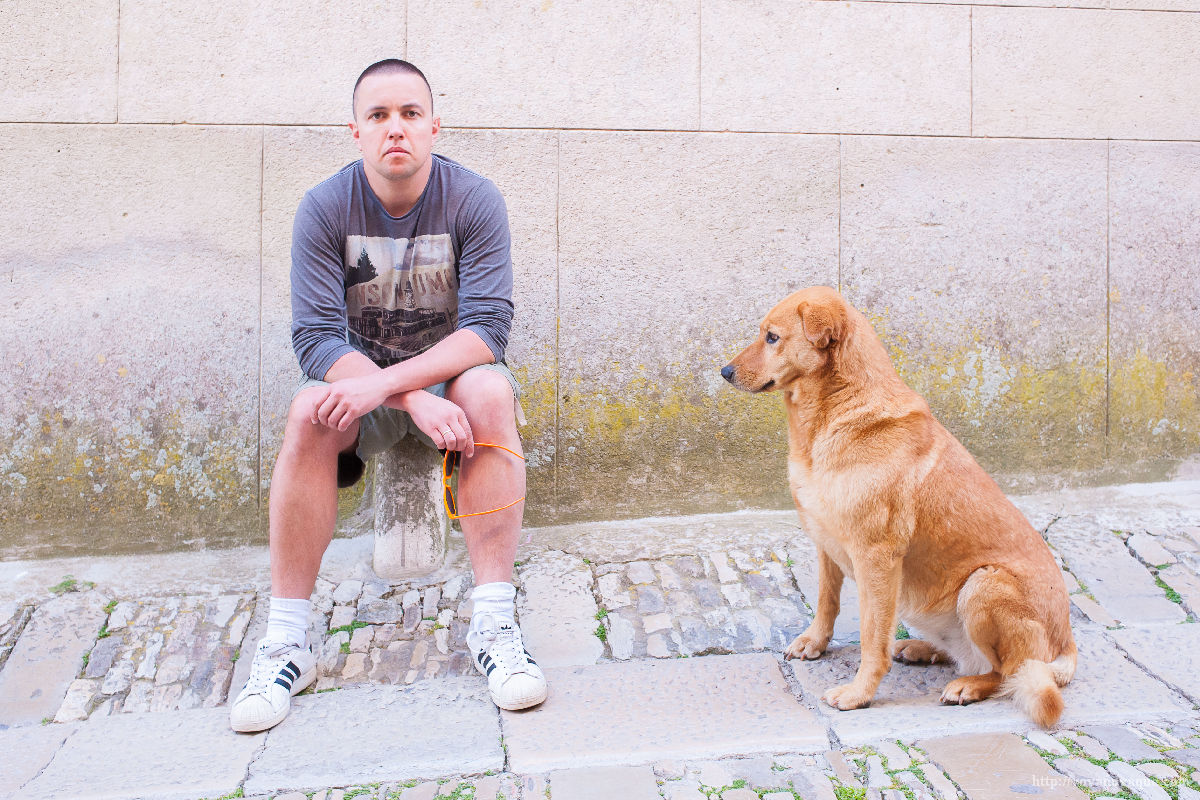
[[971, 688], [917, 651], [1004, 627], [812, 643]]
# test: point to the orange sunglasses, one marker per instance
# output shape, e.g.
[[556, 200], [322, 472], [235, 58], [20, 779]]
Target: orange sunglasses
[[450, 460]]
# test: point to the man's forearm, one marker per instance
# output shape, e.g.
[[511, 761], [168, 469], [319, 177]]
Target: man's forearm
[[452, 356]]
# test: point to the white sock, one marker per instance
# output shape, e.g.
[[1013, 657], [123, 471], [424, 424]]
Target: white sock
[[288, 620], [495, 599]]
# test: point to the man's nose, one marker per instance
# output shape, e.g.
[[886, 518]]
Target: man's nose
[[727, 372]]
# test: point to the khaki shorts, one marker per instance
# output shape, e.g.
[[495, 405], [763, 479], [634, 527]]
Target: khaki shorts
[[382, 428]]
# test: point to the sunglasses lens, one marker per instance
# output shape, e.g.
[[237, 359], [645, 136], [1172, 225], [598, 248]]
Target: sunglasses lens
[[450, 504]]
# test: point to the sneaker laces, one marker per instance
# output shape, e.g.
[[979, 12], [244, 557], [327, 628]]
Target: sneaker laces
[[504, 645], [266, 665]]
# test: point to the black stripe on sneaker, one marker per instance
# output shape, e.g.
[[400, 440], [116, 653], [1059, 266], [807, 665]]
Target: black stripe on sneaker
[[284, 682], [291, 670], [485, 660], [528, 656], [490, 668]]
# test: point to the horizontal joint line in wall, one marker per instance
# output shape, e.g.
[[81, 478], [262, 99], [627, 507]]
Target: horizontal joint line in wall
[[1047, 6], [733, 132]]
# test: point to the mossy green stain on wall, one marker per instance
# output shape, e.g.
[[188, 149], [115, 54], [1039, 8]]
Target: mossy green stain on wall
[[156, 481], [1154, 413], [664, 440], [1014, 417], [665, 444]]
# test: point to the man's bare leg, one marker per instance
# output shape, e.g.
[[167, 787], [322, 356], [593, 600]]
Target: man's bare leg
[[492, 478], [303, 510], [303, 501]]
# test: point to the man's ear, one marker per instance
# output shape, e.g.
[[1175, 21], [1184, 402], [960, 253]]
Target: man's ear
[[823, 325]]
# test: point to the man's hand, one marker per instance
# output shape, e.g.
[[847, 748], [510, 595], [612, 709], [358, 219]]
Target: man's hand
[[347, 400], [440, 420]]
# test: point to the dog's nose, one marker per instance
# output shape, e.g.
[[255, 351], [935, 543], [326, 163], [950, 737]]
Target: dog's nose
[[727, 372]]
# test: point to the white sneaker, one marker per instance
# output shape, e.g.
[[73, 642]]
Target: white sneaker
[[278, 672], [515, 680]]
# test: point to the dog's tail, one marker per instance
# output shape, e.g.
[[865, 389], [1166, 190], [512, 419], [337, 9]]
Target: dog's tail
[[1034, 687]]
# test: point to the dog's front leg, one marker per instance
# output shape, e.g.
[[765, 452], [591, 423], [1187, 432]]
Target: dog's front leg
[[812, 643], [878, 578]]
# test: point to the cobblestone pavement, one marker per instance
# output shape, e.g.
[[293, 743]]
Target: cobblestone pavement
[[90, 662]]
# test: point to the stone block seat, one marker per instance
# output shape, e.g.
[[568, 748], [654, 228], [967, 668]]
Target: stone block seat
[[410, 519]]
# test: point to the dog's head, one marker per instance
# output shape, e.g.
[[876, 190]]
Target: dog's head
[[797, 338]]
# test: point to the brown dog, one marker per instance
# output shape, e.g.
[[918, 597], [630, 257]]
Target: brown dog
[[897, 504]]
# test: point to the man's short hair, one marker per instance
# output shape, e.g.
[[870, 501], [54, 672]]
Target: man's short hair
[[389, 66]]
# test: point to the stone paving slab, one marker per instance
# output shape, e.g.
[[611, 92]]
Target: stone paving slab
[[1122, 741], [1186, 583], [703, 707], [998, 767], [659, 537], [1165, 505], [48, 655], [907, 704], [26, 750], [433, 728], [183, 754], [604, 783], [1118, 581], [558, 611], [1168, 652]]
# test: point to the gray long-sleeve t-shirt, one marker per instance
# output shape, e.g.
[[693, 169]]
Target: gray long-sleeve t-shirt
[[392, 287]]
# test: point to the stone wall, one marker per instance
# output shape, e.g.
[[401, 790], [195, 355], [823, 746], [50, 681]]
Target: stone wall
[[1012, 195]]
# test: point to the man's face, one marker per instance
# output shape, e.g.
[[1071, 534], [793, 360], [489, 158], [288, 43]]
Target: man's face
[[393, 126]]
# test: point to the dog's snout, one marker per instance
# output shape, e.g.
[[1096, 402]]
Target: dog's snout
[[727, 372]]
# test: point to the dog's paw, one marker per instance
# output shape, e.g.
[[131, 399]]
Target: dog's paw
[[969, 689], [805, 648], [847, 697], [915, 651]]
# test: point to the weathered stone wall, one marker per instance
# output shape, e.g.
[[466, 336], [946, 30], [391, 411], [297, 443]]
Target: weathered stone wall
[[1012, 194]]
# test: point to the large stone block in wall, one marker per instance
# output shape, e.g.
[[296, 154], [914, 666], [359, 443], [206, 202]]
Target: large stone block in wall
[[58, 63], [1154, 317], [666, 267], [982, 265], [275, 61], [836, 67], [1086, 73], [295, 159], [130, 334], [620, 64], [523, 164]]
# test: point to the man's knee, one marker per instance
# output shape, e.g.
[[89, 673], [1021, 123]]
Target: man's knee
[[486, 397], [302, 435]]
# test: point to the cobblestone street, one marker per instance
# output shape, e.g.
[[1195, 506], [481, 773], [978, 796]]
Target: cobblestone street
[[662, 641]]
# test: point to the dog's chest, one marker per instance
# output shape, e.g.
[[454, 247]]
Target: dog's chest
[[817, 517]]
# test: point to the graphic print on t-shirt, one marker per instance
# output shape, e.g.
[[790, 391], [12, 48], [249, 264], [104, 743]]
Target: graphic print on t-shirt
[[401, 294]]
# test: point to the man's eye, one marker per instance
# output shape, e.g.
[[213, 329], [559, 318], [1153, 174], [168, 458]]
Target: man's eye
[[772, 338]]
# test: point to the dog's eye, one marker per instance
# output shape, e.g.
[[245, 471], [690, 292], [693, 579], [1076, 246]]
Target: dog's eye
[[772, 338]]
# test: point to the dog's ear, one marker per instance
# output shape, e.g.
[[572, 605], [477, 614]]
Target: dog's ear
[[823, 324]]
